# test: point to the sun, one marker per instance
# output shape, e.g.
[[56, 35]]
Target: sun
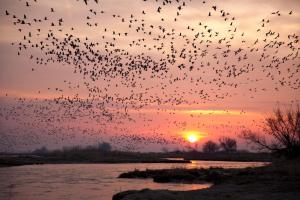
[[193, 136]]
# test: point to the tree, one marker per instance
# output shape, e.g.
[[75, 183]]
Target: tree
[[283, 130], [165, 149], [41, 151], [210, 147], [228, 144], [104, 147]]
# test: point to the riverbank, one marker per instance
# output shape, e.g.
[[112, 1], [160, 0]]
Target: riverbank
[[19, 160], [85, 156], [182, 175], [277, 181]]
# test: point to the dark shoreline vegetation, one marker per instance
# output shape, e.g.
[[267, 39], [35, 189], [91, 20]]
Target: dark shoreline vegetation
[[74, 156], [279, 180], [183, 175], [116, 158]]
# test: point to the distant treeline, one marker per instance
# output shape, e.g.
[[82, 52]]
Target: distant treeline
[[101, 147], [103, 153], [226, 150]]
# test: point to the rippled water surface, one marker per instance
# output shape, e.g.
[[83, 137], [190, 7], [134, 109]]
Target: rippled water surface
[[90, 181]]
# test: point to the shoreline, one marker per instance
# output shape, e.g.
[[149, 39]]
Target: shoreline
[[114, 157], [16, 162], [276, 181]]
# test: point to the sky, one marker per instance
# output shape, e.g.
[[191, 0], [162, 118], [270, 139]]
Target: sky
[[141, 74]]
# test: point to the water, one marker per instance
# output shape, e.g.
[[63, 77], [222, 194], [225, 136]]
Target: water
[[90, 181]]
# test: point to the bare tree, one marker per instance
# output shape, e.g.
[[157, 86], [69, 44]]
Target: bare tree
[[283, 129], [210, 147], [228, 144]]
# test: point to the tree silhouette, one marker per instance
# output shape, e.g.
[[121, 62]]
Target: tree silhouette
[[210, 147], [41, 151], [283, 128], [228, 144], [104, 147]]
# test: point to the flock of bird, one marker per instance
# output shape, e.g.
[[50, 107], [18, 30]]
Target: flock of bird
[[142, 60]]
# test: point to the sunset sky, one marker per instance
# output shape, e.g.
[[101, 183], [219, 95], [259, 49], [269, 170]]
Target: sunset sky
[[225, 75]]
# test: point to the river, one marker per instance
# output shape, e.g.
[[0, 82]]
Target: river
[[90, 181]]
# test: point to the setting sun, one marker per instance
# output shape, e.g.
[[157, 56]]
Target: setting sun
[[193, 136]]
